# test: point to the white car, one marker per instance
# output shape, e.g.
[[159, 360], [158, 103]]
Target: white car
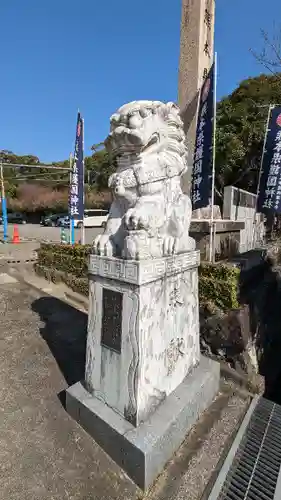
[[93, 218]]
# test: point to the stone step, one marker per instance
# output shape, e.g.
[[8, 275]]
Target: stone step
[[191, 473]]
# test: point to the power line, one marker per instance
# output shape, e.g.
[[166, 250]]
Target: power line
[[16, 165], [41, 180], [30, 175]]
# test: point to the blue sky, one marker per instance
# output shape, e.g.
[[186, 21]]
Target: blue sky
[[58, 55]]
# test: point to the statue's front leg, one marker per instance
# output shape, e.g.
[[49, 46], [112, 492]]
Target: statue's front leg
[[179, 226], [147, 214], [105, 243], [136, 219]]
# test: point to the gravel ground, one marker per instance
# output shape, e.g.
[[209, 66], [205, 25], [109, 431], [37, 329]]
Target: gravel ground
[[44, 454]]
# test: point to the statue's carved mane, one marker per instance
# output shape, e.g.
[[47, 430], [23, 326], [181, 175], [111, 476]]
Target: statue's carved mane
[[150, 215], [168, 127]]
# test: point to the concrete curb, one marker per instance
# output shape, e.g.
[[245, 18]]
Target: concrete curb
[[144, 451], [78, 299], [54, 290]]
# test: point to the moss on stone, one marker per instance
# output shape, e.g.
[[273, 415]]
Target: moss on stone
[[219, 283]]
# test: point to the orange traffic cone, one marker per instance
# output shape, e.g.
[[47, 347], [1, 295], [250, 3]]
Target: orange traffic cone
[[16, 237]]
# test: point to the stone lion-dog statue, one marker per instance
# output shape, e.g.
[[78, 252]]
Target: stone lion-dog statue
[[150, 215]]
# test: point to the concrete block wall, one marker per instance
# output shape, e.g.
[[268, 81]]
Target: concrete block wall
[[240, 205]]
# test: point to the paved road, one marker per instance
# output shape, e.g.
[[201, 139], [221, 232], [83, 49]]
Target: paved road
[[44, 454], [35, 231]]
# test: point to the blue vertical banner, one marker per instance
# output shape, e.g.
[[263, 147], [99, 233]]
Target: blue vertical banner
[[203, 153], [269, 195], [76, 191]]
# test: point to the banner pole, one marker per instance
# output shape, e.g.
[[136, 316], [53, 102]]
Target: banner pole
[[212, 231], [4, 205], [82, 227], [270, 108], [71, 220]]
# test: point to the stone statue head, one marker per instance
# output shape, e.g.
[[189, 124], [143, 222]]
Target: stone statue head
[[144, 130]]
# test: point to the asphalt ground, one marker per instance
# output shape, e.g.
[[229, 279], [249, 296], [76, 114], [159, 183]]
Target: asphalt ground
[[46, 455], [41, 233]]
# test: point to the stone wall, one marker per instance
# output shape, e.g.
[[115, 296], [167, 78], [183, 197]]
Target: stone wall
[[226, 239], [239, 205]]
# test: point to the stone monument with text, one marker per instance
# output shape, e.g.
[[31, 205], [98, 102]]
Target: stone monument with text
[[145, 381], [196, 57]]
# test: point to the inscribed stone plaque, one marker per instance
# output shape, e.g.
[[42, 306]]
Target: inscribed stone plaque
[[111, 319]]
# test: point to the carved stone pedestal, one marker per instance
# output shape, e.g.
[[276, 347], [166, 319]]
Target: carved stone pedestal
[[145, 383]]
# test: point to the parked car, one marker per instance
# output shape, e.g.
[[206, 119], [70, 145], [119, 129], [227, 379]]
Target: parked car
[[93, 218], [63, 222], [14, 218], [51, 220]]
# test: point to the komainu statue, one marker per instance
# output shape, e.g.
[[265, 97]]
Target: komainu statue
[[150, 215]]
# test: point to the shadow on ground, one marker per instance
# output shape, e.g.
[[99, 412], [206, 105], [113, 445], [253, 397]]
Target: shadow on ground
[[261, 290], [64, 330]]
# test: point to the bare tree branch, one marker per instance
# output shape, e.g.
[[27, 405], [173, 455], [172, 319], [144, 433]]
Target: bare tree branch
[[274, 45], [270, 56]]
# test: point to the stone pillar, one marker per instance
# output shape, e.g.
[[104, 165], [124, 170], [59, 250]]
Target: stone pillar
[[131, 364], [145, 381], [196, 57]]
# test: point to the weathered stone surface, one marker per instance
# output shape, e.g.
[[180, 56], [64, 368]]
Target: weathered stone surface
[[206, 213], [228, 337], [144, 272], [143, 353], [150, 215], [160, 331], [143, 451], [261, 290], [227, 235], [196, 57]]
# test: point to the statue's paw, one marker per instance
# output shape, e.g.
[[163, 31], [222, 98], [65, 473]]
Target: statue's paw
[[130, 250], [102, 245], [170, 245], [135, 220]]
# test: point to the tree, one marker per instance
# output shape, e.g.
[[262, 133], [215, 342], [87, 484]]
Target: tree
[[270, 56], [241, 119], [100, 166], [40, 189]]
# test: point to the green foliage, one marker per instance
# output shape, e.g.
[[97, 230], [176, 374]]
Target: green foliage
[[66, 258], [218, 284], [99, 166], [79, 285], [241, 120], [40, 189], [11, 190], [65, 263]]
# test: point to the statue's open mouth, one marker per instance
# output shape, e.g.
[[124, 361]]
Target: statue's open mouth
[[123, 139]]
